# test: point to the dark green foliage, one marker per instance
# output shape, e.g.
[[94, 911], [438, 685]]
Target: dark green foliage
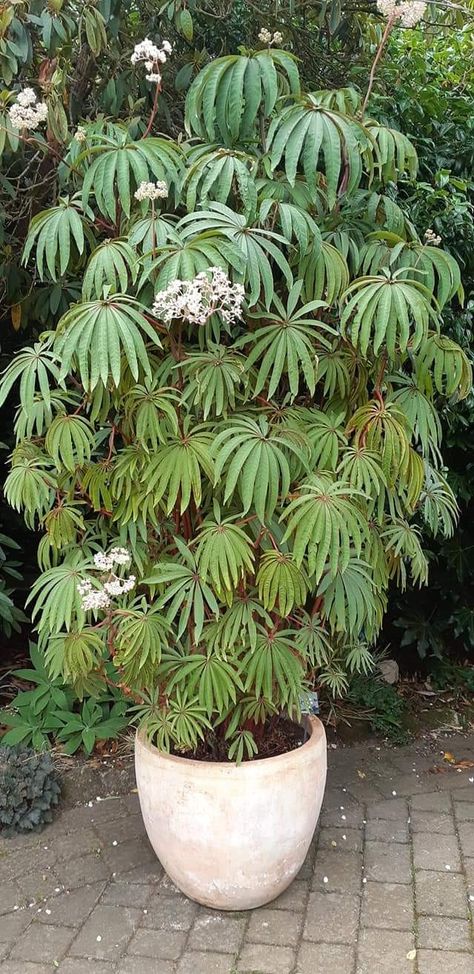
[[386, 708], [29, 790]]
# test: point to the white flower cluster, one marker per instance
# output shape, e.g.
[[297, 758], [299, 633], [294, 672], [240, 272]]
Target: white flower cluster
[[116, 556], [100, 598], [151, 191], [27, 112], [267, 37], [197, 300], [153, 56], [80, 134], [409, 12], [432, 238]]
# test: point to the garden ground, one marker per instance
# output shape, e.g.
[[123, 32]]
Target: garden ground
[[387, 887]]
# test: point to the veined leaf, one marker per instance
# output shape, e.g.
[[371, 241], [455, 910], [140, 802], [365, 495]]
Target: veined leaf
[[281, 584], [389, 311], [59, 238]]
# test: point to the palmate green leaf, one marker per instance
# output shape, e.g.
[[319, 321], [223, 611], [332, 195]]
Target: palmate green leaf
[[308, 135], [281, 584], [362, 469], [256, 247], [423, 420], [56, 601], [29, 487], [93, 337], [40, 413], [438, 503], [58, 236], [295, 223], [73, 656], [384, 429], [214, 378], [184, 591], [37, 369], [224, 555], [285, 345], [217, 174], [250, 456], [62, 524], [312, 641], [325, 274], [394, 153], [387, 311], [236, 626], [441, 364], [402, 544], [336, 370], [69, 441], [121, 165], [324, 522], [242, 744], [142, 634], [95, 484], [325, 433], [349, 599], [214, 680], [229, 93], [174, 475], [274, 670], [436, 269], [151, 412], [184, 259], [113, 263]]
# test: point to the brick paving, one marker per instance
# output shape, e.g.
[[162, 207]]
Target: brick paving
[[387, 888]]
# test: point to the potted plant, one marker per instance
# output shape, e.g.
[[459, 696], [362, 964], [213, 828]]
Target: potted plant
[[231, 442]]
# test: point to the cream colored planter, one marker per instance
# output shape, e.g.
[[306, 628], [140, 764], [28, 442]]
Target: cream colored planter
[[232, 837]]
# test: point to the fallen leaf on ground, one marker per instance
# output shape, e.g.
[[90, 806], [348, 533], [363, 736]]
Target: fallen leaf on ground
[[447, 756], [361, 774], [411, 955]]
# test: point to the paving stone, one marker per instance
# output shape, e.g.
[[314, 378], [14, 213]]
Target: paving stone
[[469, 869], [440, 894], [349, 840], [464, 811], [75, 965], [294, 898], [127, 894], [64, 847], [342, 870], [37, 885], [80, 872], [406, 785], [22, 967], [434, 822], [466, 838], [82, 816], [42, 943], [277, 927], [384, 952], [348, 815], [216, 931], [11, 896], [378, 830], [332, 918], [70, 909], [387, 905], [12, 925], [444, 933], [148, 873], [388, 862], [128, 855], [465, 794], [429, 852], [145, 965], [165, 912], [113, 925], [325, 959], [437, 962], [166, 945], [390, 810], [256, 959], [129, 827], [432, 801]]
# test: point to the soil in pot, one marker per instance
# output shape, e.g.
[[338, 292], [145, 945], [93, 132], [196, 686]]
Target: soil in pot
[[277, 737]]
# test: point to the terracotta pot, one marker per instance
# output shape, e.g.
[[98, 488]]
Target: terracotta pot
[[230, 837]]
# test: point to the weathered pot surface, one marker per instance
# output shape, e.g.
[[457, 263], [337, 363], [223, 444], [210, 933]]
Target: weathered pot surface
[[232, 837]]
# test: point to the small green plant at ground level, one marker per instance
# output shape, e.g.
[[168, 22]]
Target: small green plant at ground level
[[52, 711], [230, 435], [29, 790], [386, 708]]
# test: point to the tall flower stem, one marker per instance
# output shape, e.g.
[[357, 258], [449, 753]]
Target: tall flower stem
[[377, 57]]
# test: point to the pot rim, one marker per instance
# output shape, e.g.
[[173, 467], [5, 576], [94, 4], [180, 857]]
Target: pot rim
[[317, 736]]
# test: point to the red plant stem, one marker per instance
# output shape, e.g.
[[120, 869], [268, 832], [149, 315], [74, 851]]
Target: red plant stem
[[153, 111], [373, 69]]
